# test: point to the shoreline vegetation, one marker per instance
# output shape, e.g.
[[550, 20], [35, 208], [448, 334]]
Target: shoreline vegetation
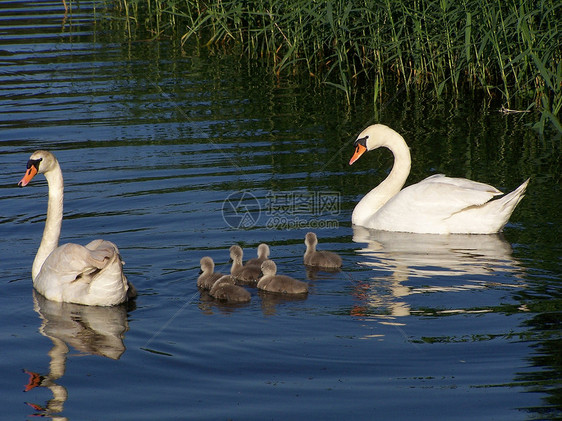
[[508, 50]]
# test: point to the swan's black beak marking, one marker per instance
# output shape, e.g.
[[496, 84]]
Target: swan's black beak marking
[[32, 170], [362, 141], [34, 163], [360, 148]]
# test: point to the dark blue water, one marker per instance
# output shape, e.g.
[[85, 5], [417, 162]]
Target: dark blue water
[[156, 143]]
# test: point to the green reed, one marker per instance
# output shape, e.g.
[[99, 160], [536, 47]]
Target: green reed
[[510, 49]]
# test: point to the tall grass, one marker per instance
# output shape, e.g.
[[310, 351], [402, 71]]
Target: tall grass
[[510, 49]]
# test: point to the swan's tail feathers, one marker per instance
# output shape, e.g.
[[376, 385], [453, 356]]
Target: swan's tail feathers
[[511, 200], [506, 205]]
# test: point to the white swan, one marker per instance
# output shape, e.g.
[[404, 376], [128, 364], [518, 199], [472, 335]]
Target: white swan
[[91, 274], [436, 205]]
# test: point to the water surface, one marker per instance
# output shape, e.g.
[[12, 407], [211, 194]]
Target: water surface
[[157, 144]]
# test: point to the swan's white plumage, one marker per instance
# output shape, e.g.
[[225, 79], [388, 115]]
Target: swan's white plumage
[[436, 205], [91, 274]]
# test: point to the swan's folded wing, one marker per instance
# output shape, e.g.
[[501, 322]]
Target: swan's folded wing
[[117, 266], [69, 261], [104, 246], [462, 183], [444, 197], [428, 205], [85, 275]]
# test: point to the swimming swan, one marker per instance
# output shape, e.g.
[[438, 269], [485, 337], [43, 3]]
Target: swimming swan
[[245, 275], [91, 274], [263, 255], [224, 289], [207, 275], [279, 283], [312, 257], [436, 205]]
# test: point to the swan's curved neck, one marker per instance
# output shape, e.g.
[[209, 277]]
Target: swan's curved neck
[[236, 264], [392, 184], [51, 233]]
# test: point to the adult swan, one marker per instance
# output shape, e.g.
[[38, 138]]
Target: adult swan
[[91, 274], [436, 205]]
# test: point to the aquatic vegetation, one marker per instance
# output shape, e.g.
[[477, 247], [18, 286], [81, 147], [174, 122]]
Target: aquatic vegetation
[[509, 50]]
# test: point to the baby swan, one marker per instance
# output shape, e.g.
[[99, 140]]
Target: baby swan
[[245, 275], [325, 259], [224, 289], [279, 283], [263, 255], [207, 276]]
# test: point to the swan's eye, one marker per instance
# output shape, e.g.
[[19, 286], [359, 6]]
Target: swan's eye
[[34, 163], [362, 142]]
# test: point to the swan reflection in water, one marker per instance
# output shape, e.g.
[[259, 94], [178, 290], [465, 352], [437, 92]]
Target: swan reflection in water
[[91, 330], [422, 263]]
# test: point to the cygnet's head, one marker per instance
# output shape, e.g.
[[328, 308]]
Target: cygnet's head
[[310, 239], [268, 268], [236, 252], [207, 264], [263, 250]]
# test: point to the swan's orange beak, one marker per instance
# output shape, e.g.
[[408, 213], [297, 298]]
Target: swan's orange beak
[[34, 380], [29, 174], [359, 150]]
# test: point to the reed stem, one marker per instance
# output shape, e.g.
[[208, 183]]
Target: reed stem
[[509, 49]]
